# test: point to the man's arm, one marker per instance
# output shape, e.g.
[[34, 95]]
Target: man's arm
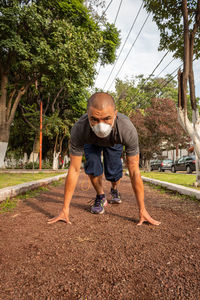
[[70, 184], [137, 184]]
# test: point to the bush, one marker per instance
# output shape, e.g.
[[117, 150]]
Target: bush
[[45, 165], [30, 165]]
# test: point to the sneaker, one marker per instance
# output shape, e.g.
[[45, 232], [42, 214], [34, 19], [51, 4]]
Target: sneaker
[[100, 202], [115, 197]]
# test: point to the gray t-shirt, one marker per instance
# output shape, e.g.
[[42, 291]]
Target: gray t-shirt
[[123, 133]]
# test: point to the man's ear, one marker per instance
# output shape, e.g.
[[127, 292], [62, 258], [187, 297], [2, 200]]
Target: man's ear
[[116, 111]]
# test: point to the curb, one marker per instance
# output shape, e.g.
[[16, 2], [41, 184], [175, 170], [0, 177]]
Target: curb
[[12, 191], [174, 187]]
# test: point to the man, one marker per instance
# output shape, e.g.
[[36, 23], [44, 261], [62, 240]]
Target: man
[[102, 128]]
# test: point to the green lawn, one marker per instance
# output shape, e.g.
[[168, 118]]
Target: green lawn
[[9, 179], [182, 179]]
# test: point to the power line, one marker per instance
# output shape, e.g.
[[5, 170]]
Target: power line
[[153, 70], [130, 49], [118, 11], [166, 83], [105, 10], [159, 63], [114, 23], [124, 44], [166, 67], [135, 95]]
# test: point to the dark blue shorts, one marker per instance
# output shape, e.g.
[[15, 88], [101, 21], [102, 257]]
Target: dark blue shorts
[[111, 160]]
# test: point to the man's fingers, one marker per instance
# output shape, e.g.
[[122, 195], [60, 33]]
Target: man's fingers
[[148, 219], [53, 220], [61, 217], [56, 219], [153, 222], [140, 223], [156, 223]]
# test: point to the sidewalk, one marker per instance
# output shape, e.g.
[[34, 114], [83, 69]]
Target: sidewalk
[[174, 187], [100, 256], [31, 171], [13, 191]]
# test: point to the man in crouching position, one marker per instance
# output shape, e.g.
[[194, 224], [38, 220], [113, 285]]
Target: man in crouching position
[[103, 129]]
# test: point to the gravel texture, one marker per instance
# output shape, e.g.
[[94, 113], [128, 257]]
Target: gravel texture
[[100, 256]]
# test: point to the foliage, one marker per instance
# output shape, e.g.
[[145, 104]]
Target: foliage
[[168, 16], [56, 38], [45, 165], [158, 128], [8, 205], [47, 46], [137, 93]]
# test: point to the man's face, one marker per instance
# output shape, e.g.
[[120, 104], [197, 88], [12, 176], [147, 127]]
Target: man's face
[[106, 115]]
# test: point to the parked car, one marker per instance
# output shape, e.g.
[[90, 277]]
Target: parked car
[[161, 165], [184, 163], [155, 164], [166, 164]]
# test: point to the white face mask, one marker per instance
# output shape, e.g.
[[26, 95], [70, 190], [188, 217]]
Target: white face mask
[[102, 130]]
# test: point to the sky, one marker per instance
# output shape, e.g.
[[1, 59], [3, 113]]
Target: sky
[[144, 55]]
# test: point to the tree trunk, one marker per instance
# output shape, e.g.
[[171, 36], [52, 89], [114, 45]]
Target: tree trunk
[[8, 108], [197, 183], [36, 149], [4, 137], [55, 160], [147, 165], [66, 160], [192, 128]]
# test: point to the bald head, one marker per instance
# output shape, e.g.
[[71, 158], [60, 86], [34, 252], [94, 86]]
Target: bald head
[[101, 101]]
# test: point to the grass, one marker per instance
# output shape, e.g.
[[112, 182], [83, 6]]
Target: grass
[[9, 205], [33, 193], [182, 179], [9, 179]]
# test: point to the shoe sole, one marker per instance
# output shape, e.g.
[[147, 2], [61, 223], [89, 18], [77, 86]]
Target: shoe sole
[[98, 213], [115, 202]]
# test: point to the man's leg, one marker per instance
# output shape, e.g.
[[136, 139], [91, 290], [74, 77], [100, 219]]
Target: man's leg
[[97, 184], [94, 169], [113, 169]]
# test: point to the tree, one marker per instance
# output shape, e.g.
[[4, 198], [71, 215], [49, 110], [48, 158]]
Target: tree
[[56, 39], [158, 128], [138, 92], [179, 25]]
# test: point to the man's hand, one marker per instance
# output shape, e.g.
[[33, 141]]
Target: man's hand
[[63, 216], [144, 216]]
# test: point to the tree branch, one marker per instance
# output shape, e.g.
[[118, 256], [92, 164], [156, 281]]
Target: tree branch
[[56, 142], [21, 92], [3, 96], [54, 101], [186, 53], [191, 54], [26, 120], [61, 142], [45, 110], [197, 23], [180, 104], [10, 104]]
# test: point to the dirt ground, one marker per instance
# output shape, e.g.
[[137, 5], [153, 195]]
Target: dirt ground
[[100, 256]]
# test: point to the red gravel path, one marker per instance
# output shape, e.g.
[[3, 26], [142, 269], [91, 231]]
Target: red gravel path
[[100, 256]]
